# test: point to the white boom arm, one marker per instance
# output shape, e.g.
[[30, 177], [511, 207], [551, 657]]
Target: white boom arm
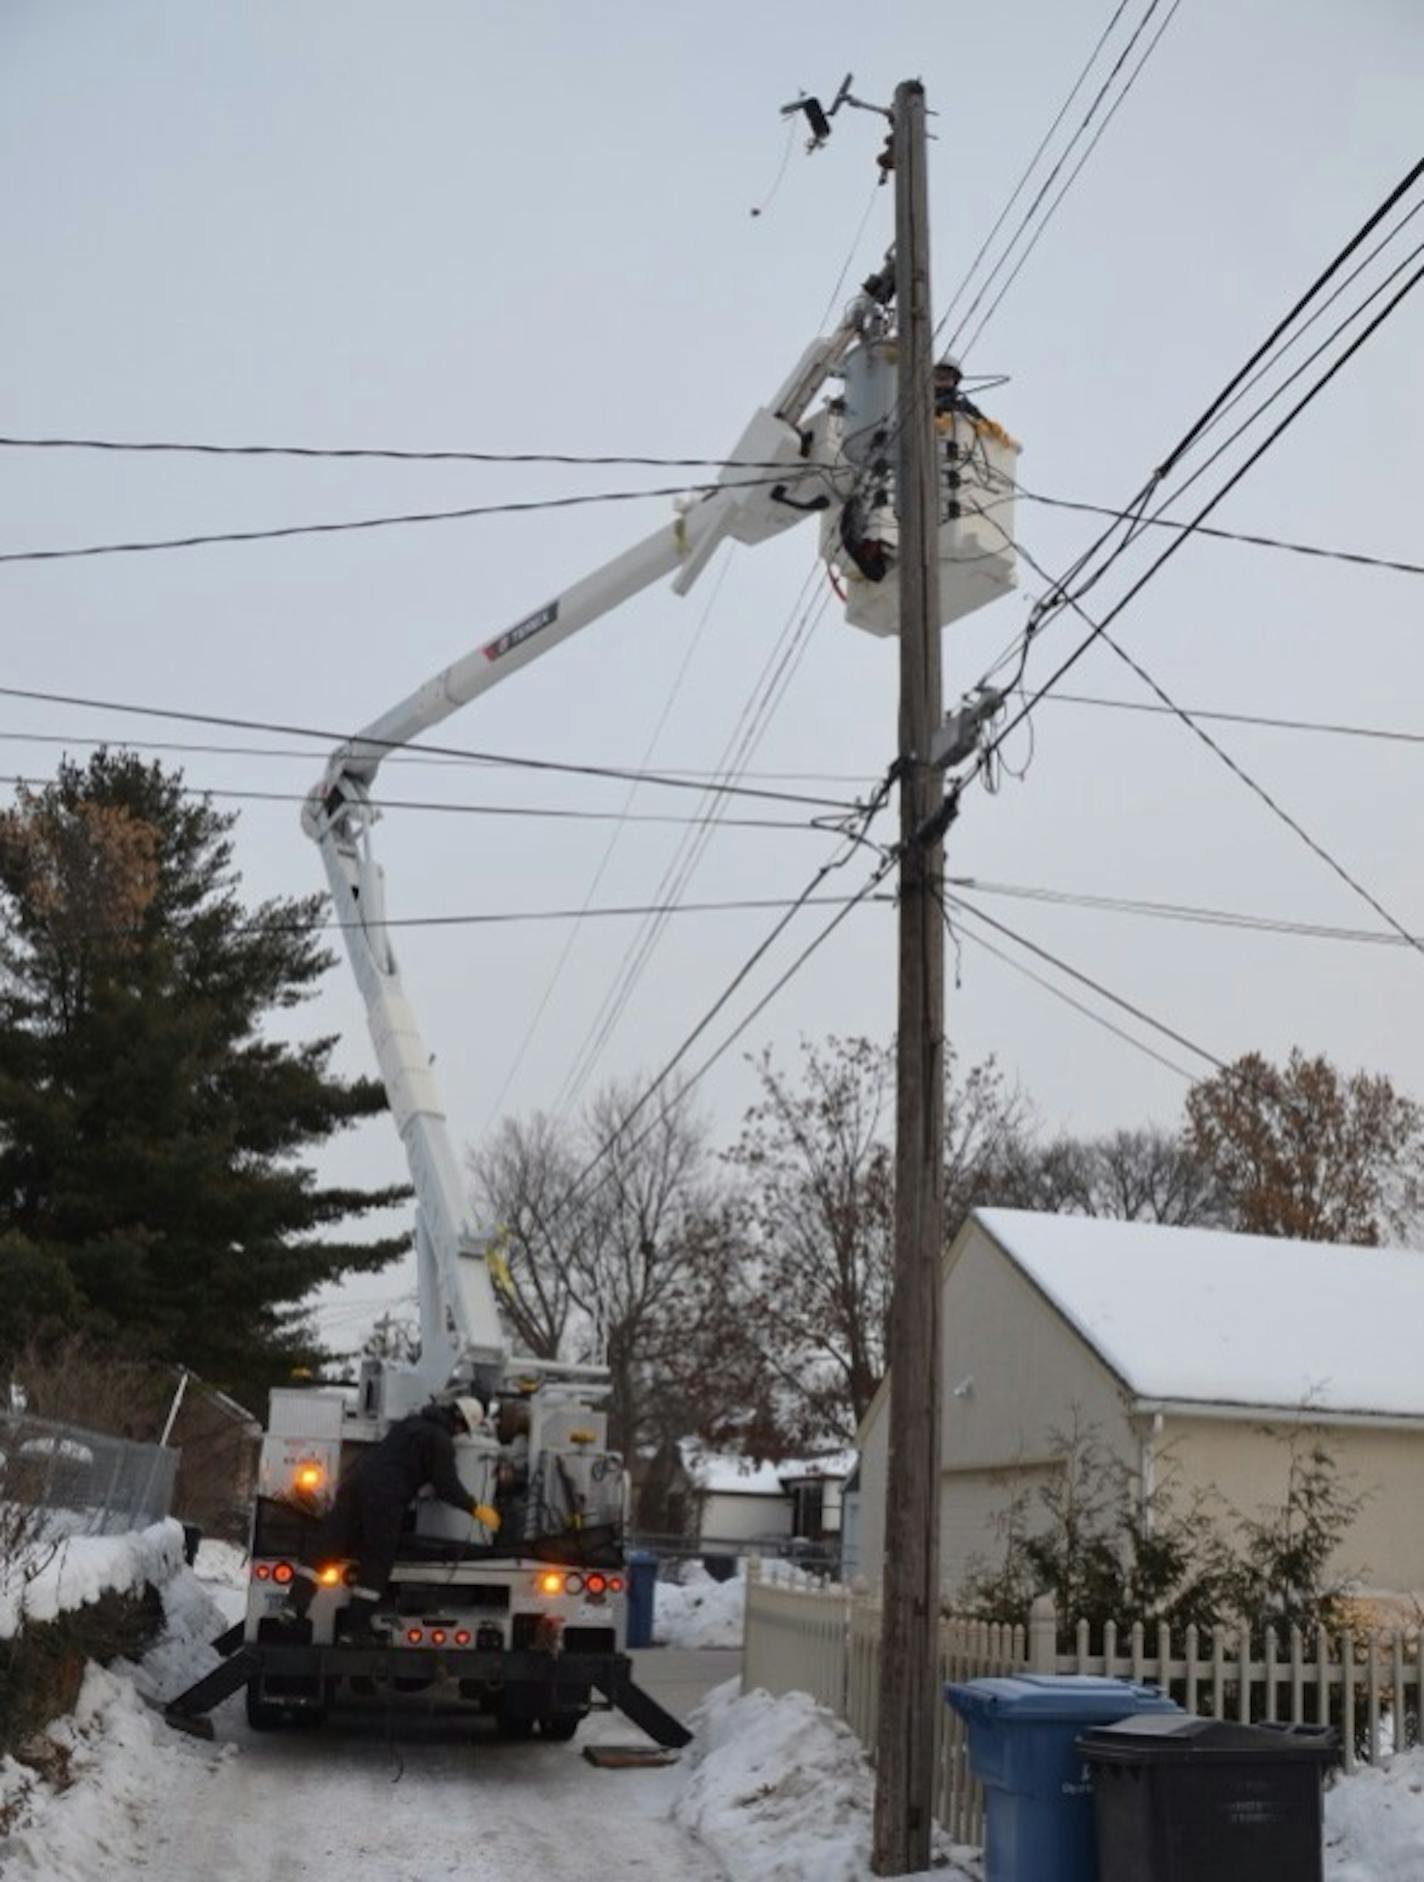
[[459, 1322]]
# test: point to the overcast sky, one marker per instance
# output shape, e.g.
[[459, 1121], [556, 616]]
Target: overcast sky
[[526, 228]]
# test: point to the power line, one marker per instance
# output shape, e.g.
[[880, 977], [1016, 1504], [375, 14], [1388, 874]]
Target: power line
[[277, 728], [463, 514], [1072, 177], [1189, 912], [1286, 544], [611, 846], [385, 452], [701, 777], [1099, 629], [1243, 718], [475, 810], [683, 1091], [523, 916], [1029, 168], [1086, 980], [1058, 594], [742, 743], [1098, 1019]]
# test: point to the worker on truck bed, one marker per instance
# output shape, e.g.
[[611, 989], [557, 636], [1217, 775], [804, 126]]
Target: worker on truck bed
[[365, 1521]]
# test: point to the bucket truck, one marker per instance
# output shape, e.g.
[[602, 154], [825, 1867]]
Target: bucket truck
[[529, 1623]]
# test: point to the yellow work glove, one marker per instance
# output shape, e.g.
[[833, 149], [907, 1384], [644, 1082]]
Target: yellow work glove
[[483, 1513]]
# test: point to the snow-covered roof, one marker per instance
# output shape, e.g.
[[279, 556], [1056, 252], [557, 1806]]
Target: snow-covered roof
[[1208, 1316], [725, 1473]]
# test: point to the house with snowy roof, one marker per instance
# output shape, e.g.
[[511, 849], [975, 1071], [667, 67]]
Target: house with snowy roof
[[743, 1505], [1187, 1350]]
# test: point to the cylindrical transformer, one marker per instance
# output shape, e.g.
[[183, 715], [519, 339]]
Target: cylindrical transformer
[[870, 395]]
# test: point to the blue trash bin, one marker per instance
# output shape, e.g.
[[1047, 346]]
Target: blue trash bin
[[642, 1569], [1038, 1792]]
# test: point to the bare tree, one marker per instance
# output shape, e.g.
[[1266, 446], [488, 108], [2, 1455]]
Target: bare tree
[[1144, 1175], [615, 1245], [816, 1210], [1303, 1150]]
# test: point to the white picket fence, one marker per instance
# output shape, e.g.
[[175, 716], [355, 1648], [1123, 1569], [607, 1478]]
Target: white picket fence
[[825, 1640]]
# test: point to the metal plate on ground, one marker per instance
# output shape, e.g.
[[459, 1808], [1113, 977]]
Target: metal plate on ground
[[628, 1757]]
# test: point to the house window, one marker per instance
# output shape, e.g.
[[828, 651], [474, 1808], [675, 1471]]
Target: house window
[[808, 1510]]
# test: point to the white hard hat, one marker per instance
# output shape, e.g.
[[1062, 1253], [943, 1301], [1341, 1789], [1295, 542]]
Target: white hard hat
[[472, 1411]]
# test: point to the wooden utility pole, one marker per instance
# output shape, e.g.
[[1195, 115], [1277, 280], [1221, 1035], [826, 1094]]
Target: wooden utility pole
[[909, 1695]]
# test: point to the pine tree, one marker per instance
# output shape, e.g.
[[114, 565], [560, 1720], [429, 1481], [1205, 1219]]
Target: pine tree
[[152, 1127]]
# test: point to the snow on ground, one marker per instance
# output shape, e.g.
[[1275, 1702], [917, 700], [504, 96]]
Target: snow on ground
[[51, 1580], [405, 1799], [698, 1611], [1374, 1823], [780, 1791]]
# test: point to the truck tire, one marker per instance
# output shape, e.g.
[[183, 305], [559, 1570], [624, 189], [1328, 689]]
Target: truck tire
[[562, 1727], [514, 1725]]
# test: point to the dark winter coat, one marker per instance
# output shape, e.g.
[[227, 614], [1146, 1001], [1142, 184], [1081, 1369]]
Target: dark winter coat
[[420, 1450]]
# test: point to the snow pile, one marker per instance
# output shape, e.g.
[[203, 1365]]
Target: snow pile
[[780, 1791], [72, 1813], [41, 1584], [1374, 1823], [698, 1611]]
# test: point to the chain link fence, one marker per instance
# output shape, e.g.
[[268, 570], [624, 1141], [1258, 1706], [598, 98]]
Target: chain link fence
[[90, 1484]]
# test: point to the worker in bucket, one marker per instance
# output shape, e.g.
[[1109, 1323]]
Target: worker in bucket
[[364, 1523]]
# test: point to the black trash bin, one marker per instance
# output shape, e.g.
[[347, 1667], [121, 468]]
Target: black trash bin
[[1182, 1799]]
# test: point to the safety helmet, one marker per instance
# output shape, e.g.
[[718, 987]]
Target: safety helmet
[[471, 1411]]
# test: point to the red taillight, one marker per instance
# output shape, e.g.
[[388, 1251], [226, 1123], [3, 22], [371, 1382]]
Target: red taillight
[[596, 1583], [437, 1636], [615, 1584], [282, 1573], [462, 1636], [261, 1570], [413, 1635]]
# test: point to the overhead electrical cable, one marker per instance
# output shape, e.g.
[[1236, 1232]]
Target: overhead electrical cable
[[601, 868], [179, 746], [1053, 602], [683, 1090], [1286, 544], [742, 744], [202, 448], [1098, 629], [1266, 720], [958, 902], [434, 806], [968, 346], [961, 932], [1188, 912], [666, 780], [464, 514], [1030, 167]]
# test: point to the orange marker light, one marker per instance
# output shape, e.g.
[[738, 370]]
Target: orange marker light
[[282, 1573], [550, 1583], [330, 1576], [309, 1476]]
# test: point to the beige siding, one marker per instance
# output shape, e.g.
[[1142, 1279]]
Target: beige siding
[[740, 1517], [1246, 1464], [1014, 1373], [972, 1508], [1014, 1370]]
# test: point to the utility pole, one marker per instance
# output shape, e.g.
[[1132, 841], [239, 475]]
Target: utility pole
[[909, 1697]]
